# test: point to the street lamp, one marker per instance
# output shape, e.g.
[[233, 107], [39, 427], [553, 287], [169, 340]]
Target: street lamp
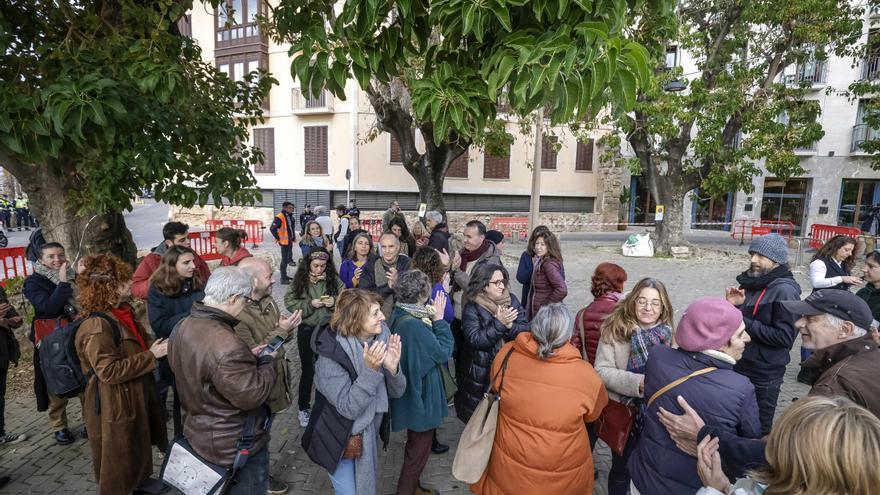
[[675, 86]]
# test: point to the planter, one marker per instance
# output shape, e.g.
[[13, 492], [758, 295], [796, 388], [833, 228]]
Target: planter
[[621, 226]]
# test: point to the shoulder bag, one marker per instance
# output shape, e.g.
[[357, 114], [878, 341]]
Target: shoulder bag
[[478, 436], [678, 382]]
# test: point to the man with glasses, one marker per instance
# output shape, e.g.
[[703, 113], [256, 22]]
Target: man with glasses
[[763, 289]]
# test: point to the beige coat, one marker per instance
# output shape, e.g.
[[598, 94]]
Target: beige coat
[[258, 324], [611, 362]]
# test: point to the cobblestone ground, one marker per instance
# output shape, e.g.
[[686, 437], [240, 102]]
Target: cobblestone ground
[[40, 466]]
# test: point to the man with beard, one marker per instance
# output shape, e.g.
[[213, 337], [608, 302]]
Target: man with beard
[[762, 289]]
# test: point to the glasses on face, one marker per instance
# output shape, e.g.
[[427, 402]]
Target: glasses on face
[[644, 303], [498, 283]]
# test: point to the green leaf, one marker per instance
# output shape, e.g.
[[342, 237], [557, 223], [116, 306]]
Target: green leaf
[[624, 89]]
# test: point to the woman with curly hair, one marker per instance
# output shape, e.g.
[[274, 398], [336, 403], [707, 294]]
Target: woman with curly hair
[[124, 415], [428, 261], [314, 290]]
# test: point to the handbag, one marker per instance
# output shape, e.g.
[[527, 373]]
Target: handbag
[[615, 425], [354, 448], [449, 384], [192, 474], [478, 436]]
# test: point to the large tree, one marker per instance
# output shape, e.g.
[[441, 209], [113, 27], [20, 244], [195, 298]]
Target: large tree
[[440, 67], [736, 113], [101, 98]]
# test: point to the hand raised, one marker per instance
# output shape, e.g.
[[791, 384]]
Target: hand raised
[[392, 354], [735, 296], [291, 322], [62, 272], [374, 355], [439, 306], [444, 257]]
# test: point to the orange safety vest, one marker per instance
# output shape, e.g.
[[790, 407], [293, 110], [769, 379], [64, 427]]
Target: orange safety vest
[[282, 231]]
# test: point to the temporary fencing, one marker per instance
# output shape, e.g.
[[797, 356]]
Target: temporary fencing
[[749, 229], [14, 263], [820, 234], [205, 245], [373, 226], [511, 227], [254, 228]]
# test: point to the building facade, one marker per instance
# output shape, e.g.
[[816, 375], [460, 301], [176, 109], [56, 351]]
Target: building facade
[[310, 143]]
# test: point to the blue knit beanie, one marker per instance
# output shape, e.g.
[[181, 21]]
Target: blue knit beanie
[[771, 246]]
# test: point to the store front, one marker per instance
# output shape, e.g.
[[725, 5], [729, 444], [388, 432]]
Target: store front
[[711, 213], [856, 198], [786, 201]]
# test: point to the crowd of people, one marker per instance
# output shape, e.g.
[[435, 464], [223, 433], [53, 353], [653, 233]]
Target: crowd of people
[[17, 212], [423, 322]]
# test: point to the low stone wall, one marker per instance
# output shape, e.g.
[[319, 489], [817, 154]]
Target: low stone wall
[[196, 216]]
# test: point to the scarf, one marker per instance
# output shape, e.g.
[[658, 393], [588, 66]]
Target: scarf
[[491, 305], [125, 316], [641, 343], [719, 356], [468, 256], [354, 349], [748, 282], [418, 311], [54, 276]]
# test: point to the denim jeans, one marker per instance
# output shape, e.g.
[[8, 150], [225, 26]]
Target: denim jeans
[[343, 478], [767, 394], [254, 476]]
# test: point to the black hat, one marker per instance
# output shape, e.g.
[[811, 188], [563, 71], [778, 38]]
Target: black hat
[[842, 304], [495, 236]]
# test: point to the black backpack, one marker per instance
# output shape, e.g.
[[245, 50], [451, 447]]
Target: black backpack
[[59, 362]]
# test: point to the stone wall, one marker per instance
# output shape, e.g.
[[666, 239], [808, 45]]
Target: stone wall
[[196, 216]]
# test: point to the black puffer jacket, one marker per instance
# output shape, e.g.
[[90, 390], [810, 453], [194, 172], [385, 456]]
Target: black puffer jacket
[[483, 336]]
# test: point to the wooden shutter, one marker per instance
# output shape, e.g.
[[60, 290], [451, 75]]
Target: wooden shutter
[[584, 159], [394, 155], [548, 152], [459, 167], [496, 167], [264, 139], [315, 149]]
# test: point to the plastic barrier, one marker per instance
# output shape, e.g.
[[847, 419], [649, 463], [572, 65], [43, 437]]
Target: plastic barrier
[[820, 234], [511, 227], [205, 245], [14, 264], [749, 229], [254, 228], [373, 226]]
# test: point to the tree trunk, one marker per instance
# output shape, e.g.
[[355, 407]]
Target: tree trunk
[[670, 193], [81, 235]]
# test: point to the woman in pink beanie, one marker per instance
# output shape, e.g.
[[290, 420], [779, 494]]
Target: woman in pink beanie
[[711, 337]]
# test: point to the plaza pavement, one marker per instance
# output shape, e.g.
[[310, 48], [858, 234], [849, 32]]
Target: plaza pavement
[[39, 466]]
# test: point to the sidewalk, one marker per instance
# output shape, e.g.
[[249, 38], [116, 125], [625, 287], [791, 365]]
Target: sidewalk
[[39, 466]]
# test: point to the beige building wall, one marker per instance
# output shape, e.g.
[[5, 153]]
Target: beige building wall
[[350, 122]]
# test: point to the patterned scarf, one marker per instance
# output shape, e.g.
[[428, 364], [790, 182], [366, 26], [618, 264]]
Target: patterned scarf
[[55, 277], [641, 343], [419, 311]]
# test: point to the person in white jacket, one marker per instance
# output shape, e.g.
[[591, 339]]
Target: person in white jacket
[[819, 446]]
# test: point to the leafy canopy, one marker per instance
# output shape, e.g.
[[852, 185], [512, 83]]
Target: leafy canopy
[[109, 97], [458, 57]]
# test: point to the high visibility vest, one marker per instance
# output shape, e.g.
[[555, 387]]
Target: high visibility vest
[[282, 231]]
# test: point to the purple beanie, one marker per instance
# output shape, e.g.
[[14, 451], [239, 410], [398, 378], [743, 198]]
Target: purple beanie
[[707, 324]]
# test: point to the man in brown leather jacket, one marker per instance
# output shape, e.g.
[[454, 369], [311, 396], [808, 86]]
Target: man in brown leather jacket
[[836, 323], [219, 379]]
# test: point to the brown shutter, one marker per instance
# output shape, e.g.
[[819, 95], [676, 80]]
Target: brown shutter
[[394, 151], [315, 149], [264, 139], [584, 159], [548, 152], [496, 167], [459, 167]]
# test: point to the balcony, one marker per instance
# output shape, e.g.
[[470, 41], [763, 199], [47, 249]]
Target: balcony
[[809, 75], [806, 150], [871, 67], [862, 133], [303, 105]]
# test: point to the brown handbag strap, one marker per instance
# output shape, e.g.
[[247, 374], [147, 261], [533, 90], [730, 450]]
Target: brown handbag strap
[[580, 326], [678, 382], [503, 372]]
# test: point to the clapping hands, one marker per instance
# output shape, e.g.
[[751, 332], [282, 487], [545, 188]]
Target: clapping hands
[[506, 315], [383, 354]]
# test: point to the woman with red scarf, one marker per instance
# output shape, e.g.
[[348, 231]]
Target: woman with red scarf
[[123, 413]]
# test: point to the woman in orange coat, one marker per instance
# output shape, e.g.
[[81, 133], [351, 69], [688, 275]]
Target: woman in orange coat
[[549, 394]]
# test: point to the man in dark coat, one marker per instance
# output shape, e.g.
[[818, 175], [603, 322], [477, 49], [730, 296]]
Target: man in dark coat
[[380, 273], [9, 353], [283, 229], [762, 290], [440, 235]]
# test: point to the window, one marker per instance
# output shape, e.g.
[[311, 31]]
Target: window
[[238, 66], [184, 26], [671, 57], [264, 140], [583, 160], [237, 22], [459, 167], [549, 153], [863, 131], [496, 167], [315, 149], [394, 155]]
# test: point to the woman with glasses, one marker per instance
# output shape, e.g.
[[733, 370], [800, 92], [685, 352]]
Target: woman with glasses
[[491, 317], [641, 321], [548, 276]]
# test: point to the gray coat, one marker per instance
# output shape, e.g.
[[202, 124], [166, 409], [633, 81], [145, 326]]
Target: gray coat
[[363, 401]]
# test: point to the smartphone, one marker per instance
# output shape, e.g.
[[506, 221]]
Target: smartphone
[[273, 346]]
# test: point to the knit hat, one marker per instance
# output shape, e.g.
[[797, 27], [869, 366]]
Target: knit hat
[[771, 246], [707, 324], [495, 236]]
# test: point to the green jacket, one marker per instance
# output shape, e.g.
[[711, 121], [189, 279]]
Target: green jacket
[[424, 348], [258, 324], [311, 316], [872, 297]]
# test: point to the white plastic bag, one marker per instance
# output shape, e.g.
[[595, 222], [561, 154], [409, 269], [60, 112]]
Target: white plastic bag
[[639, 245]]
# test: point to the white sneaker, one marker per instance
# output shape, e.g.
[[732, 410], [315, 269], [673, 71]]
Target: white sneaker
[[304, 417]]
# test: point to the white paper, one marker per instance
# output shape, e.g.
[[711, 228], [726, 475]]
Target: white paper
[[188, 474]]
